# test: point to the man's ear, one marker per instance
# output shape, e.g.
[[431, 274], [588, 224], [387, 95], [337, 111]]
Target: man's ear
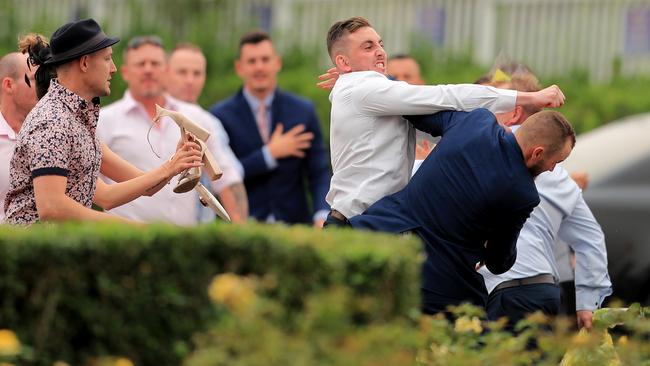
[[516, 118], [519, 115], [537, 153], [342, 63], [238, 68], [6, 85], [84, 62], [279, 62]]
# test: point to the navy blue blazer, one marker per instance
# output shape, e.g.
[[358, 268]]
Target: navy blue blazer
[[468, 202], [280, 191]]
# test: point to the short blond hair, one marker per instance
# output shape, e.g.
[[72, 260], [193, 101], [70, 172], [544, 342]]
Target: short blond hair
[[548, 128]]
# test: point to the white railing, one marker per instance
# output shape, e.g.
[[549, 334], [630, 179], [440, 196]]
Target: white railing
[[553, 36]]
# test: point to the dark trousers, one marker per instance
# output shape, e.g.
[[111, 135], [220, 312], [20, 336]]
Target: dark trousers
[[568, 298], [517, 302]]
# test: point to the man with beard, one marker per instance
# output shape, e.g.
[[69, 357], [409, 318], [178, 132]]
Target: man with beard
[[126, 127], [532, 282], [470, 198], [372, 146]]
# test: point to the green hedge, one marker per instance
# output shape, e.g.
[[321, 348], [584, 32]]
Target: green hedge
[[327, 336], [73, 292]]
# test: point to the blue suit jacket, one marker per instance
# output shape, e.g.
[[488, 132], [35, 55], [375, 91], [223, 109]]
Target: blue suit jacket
[[280, 191], [473, 188]]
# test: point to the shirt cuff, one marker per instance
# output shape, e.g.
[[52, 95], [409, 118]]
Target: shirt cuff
[[591, 298], [39, 172], [506, 102], [321, 215], [268, 159]]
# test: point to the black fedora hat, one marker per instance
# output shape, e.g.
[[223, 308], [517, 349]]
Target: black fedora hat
[[76, 39]]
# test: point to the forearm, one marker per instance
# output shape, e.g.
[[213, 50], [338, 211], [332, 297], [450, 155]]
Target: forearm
[[60, 207], [235, 202], [583, 234], [114, 195], [116, 168]]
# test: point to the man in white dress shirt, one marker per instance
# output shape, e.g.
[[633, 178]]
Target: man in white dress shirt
[[126, 127], [372, 146], [17, 98], [186, 73], [532, 282]]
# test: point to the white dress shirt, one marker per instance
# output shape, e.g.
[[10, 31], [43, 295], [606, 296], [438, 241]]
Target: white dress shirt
[[562, 214], [7, 145], [124, 126], [372, 146]]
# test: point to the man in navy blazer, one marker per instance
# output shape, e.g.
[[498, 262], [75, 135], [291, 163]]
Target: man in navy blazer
[[470, 198], [277, 138]]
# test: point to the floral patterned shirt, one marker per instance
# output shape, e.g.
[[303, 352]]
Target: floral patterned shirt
[[57, 138]]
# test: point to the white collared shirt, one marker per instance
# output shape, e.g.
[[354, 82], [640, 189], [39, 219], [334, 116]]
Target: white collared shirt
[[124, 125], [561, 214], [372, 146], [7, 145]]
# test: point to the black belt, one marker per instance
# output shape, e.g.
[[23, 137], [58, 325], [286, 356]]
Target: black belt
[[539, 279], [339, 216]]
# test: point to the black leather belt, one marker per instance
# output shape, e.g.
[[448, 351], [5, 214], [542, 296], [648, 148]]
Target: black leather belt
[[543, 278], [339, 216]]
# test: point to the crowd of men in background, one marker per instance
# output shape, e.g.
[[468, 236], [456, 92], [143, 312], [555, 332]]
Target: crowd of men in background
[[488, 203]]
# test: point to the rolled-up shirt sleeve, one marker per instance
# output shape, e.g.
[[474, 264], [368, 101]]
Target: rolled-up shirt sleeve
[[583, 233], [49, 148]]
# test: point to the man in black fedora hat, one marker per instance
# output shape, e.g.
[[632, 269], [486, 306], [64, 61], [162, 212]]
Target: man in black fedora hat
[[55, 168]]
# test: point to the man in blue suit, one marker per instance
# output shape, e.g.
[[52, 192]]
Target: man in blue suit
[[275, 162], [470, 198]]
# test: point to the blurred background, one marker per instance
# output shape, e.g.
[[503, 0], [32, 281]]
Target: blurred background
[[598, 51]]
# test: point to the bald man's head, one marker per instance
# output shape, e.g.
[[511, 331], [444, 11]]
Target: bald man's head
[[546, 138], [17, 98], [186, 68], [11, 65]]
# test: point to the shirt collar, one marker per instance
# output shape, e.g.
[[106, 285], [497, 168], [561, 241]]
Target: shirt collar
[[255, 103], [131, 104], [78, 105], [5, 129]]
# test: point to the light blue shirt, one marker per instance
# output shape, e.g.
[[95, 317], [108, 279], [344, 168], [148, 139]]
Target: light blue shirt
[[562, 214]]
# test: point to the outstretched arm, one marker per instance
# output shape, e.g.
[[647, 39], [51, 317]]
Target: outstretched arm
[[463, 97], [109, 196]]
